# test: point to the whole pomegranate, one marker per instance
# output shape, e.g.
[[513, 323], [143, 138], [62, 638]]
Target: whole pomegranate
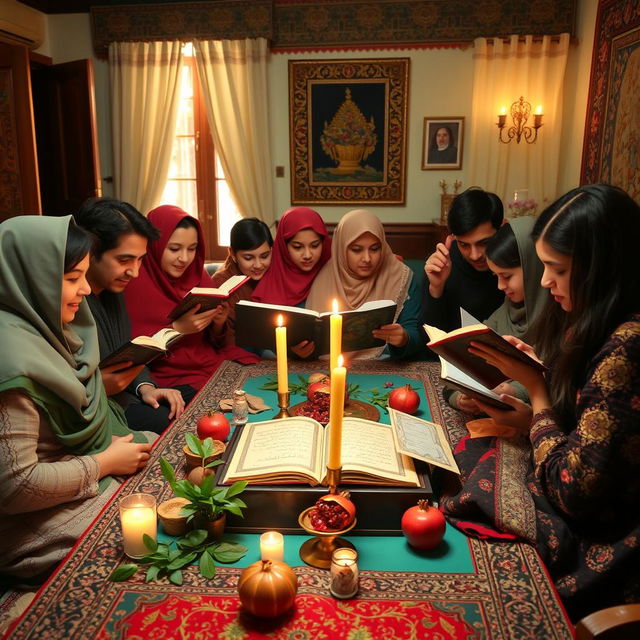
[[333, 512], [423, 526], [404, 399], [213, 425]]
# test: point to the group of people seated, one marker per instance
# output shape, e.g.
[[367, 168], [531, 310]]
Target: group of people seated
[[564, 287]]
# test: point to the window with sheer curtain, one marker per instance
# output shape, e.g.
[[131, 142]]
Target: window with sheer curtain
[[196, 180]]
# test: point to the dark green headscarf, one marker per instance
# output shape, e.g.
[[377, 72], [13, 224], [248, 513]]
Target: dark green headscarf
[[55, 364]]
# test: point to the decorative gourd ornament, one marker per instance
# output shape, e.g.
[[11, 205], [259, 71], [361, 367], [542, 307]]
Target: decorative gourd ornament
[[267, 588]]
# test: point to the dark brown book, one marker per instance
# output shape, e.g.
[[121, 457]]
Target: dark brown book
[[256, 323], [454, 348], [207, 297]]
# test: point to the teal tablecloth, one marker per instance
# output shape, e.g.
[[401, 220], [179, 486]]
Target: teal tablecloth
[[382, 553]]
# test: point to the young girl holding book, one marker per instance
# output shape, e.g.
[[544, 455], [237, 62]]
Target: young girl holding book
[[174, 264], [363, 268], [574, 491], [512, 258], [61, 440], [301, 248], [249, 255]]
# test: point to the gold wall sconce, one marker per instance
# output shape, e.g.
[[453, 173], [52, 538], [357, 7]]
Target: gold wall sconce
[[520, 112]]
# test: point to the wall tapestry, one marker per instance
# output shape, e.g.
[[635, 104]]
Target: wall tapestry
[[348, 126]]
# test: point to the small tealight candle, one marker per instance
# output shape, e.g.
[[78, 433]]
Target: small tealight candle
[[272, 546], [137, 517], [344, 573]]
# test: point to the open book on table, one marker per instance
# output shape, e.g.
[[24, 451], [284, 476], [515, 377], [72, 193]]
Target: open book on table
[[454, 348], [422, 440], [142, 349], [256, 322], [295, 450], [207, 297]]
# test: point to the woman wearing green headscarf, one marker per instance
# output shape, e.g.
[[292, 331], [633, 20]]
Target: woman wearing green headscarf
[[60, 439], [511, 256]]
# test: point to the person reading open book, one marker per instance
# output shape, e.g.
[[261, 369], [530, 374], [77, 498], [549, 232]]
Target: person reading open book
[[295, 450]]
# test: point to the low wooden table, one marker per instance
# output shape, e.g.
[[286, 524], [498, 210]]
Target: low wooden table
[[500, 590]]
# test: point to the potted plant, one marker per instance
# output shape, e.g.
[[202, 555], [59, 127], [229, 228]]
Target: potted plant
[[207, 504]]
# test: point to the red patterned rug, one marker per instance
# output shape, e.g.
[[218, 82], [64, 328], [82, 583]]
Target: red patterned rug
[[508, 595]]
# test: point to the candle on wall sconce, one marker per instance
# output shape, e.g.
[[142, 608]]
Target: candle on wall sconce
[[537, 117], [502, 117]]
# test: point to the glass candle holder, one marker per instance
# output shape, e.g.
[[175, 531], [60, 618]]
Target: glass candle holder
[[344, 573], [137, 517], [272, 546]]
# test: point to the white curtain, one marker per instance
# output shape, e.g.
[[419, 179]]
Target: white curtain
[[233, 75], [145, 95], [504, 71]]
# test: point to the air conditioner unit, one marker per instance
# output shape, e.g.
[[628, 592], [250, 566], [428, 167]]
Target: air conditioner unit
[[20, 24]]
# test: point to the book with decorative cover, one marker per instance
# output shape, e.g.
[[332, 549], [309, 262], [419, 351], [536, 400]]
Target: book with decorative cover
[[207, 297], [454, 348], [295, 450], [142, 349], [256, 321]]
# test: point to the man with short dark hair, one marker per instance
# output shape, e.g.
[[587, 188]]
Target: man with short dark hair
[[457, 272], [122, 234]]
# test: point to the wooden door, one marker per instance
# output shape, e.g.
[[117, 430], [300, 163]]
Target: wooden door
[[19, 188], [66, 133]]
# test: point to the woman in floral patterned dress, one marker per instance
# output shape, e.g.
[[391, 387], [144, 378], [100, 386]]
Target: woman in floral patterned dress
[[570, 484]]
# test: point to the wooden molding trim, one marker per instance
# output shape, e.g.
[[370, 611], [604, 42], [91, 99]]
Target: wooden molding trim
[[412, 241]]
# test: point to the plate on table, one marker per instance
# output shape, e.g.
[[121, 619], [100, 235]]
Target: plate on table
[[352, 409]]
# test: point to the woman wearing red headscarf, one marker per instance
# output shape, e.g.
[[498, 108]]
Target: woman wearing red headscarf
[[174, 265], [301, 248]]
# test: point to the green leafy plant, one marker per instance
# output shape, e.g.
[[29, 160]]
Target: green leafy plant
[[170, 559], [206, 501], [203, 448], [298, 388]]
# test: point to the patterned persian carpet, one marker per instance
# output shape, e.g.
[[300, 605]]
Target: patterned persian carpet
[[507, 595]]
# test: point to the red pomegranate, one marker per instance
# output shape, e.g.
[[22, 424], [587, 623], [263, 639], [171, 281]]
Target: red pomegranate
[[333, 512]]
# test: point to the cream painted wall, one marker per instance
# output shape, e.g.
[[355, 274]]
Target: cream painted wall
[[431, 93], [440, 85]]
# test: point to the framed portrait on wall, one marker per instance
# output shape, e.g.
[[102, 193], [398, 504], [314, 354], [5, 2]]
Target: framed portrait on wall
[[442, 140], [348, 124]]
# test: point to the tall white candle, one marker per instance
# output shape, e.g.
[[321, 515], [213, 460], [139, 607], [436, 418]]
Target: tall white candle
[[335, 336], [272, 546], [281, 357], [336, 412]]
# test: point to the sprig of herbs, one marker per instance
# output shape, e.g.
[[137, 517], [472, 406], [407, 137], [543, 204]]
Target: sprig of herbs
[[170, 559], [298, 388]]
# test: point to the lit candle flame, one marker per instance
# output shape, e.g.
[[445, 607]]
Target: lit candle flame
[[335, 306], [340, 361], [503, 111], [539, 110], [280, 320]]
